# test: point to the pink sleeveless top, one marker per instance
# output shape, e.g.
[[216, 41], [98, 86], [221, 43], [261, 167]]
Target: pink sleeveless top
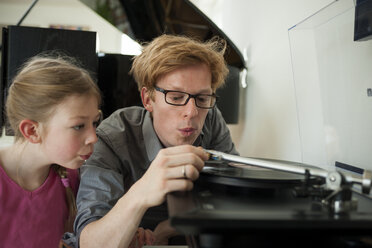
[[33, 218]]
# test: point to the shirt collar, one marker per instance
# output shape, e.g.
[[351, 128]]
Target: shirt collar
[[152, 142]]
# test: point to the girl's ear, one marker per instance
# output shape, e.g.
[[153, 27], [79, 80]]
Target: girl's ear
[[29, 130], [146, 99]]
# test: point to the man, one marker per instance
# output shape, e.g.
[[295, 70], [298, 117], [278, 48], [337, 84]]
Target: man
[[144, 153]]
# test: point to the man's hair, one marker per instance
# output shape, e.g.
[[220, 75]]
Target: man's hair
[[169, 52]]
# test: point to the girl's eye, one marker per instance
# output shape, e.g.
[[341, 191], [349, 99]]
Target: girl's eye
[[78, 127], [95, 124]]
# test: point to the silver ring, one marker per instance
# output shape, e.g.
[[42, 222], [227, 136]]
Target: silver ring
[[184, 171]]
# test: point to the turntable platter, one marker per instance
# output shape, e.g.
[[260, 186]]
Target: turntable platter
[[243, 175]]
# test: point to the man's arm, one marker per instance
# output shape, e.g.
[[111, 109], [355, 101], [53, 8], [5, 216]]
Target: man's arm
[[118, 226], [165, 174]]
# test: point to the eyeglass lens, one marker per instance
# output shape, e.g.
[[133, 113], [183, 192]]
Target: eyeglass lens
[[180, 98]]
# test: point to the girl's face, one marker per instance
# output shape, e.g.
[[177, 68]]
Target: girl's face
[[70, 133]]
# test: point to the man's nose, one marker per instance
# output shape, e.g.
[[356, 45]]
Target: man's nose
[[191, 109]]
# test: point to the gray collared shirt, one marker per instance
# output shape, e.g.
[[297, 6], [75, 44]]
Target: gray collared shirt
[[127, 144]]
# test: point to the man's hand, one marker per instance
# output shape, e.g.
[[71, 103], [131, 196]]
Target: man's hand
[[173, 169]]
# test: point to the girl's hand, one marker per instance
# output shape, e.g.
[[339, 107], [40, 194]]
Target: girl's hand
[[142, 237]]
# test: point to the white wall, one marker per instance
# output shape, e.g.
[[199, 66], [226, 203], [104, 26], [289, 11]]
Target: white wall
[[268, 125]]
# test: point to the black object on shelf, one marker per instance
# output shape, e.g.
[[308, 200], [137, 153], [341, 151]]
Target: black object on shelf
[[228, 101], [363, 20], [119, 89]]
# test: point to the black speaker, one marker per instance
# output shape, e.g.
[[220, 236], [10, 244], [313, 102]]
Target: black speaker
[[21, 43], [363, 20], [119, 89], [228, 101]]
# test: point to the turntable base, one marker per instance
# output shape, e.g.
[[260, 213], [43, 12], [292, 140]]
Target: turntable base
[[232, 208]]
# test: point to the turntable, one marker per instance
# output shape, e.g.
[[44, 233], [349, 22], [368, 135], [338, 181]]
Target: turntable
[[240, 201]]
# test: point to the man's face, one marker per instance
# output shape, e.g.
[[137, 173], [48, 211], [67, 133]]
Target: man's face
[[179, 125]]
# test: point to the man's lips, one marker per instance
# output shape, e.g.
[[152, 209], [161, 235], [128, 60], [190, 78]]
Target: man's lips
[[187, 131], [86, 157]]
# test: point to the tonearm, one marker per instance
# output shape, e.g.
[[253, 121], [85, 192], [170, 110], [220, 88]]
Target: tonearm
[[336, 184]]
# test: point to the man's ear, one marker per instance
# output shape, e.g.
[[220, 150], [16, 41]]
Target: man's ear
[[29, 130], [146, 99]]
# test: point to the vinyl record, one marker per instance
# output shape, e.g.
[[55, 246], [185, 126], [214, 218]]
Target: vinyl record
[[243, 175]]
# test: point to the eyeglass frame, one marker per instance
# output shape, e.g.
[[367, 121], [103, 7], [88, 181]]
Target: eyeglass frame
[[164, 91]]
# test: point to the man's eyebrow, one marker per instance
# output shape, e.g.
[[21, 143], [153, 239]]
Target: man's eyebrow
[[204, 91], [207, 91]]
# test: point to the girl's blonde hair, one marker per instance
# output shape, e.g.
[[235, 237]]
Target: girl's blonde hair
[[169, 52], [41, 84]]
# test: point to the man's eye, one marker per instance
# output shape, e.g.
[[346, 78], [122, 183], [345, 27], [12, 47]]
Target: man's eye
[[177, 98], [78, 127], [204, 99]]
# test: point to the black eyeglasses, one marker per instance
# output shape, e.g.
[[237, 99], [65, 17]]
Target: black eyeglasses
[[179, 98]]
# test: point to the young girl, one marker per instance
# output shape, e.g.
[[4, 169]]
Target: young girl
[[53, 109]]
